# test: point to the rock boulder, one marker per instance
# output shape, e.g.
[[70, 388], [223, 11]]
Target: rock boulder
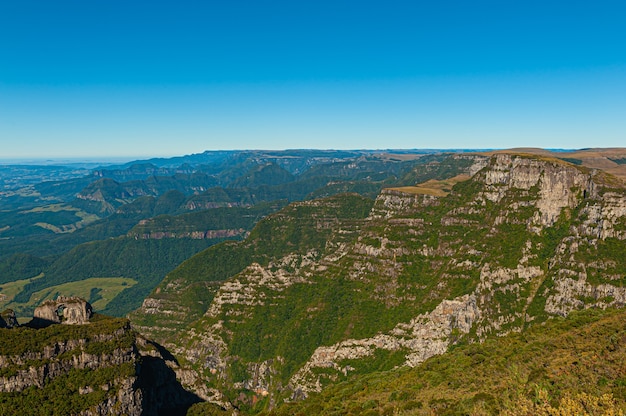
[[63, 310]]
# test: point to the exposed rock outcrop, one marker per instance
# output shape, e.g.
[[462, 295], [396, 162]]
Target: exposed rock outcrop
[[195, 235], [8, 319], [555, 183], [525, 239], [63, 310], [421, 338], [130, 375]]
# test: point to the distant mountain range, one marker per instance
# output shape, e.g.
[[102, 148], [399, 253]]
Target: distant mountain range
[[322, 282], [50, 213]]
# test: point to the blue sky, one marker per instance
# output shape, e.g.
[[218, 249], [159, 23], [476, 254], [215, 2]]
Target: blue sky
[[158, 78]]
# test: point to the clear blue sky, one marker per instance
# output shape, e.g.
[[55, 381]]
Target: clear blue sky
[[158, 78]]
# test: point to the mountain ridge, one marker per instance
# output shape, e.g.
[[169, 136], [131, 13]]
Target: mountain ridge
[[421, 276], [432, 262]]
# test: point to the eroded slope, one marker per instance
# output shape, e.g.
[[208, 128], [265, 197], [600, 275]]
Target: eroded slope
[[329, 288]]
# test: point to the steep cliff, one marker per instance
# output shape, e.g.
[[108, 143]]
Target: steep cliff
[[66, 310], [8, 319], [97, 368], [314, 295], [567, 366]]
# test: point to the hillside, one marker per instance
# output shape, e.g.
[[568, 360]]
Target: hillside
[[352, 283], [324, 290], [576, 365], [50, 217], [97, 368], [121, 229]]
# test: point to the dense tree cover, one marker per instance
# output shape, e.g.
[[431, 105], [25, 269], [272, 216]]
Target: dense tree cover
[[146, 261], [230, 179], [217, 219], [289, 230], [298, 228], [19, 224], [59, 394], [21, 266], [359, 296], [64, 191], [567, 366], [61, 397], [24, 340], [436, 167], [403, 261], [263, 175], [46, 243]]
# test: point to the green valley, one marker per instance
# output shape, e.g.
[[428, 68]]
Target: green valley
[[341, 287], [356, 283]]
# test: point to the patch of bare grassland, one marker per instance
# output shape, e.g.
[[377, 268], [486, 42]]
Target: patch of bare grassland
[[432, 187]]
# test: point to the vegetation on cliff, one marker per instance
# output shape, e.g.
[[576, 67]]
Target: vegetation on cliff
[[473, 284], [312, 297], [64, 369], [98, 368], [575, 364], [95, 221]]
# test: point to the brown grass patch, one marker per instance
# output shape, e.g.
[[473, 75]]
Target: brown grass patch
[[432, 187]]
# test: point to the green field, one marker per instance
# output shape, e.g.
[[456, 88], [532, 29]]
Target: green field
[[9, 290], [59, 224], [99, 291]]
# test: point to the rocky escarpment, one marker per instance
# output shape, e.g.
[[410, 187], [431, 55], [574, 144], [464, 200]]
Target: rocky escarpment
[[45, 358], [63, 310], [524, 240], [509, 291], [95, 369], [421, 338], [304, 232], [8, 319], [195, 235]]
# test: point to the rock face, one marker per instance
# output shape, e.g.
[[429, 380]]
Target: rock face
[[321, 295], [96, 349], [114, 370], [556, 184], [195, 235], [421, 338], [8, 319], [63, 310]]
